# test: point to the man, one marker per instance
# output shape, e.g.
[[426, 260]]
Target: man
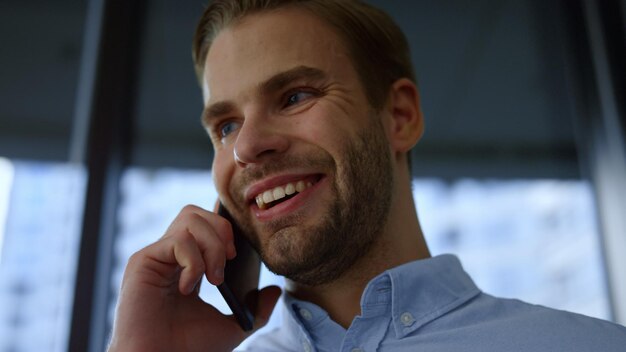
[[312, 110]]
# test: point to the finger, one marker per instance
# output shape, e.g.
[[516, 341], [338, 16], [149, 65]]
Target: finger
[[175, 260], [224, 231], [223, 213], [195, 229], [221, 227], [267, 299], [212, 249], [190, 258]]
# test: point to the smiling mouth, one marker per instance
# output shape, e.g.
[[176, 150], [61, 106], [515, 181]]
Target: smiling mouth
[[279, 194]]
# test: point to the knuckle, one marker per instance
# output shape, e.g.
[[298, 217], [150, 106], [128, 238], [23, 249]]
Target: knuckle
[[189, 208], [137, 259], [188, 211], [186, 216], [195, 217], [183, 237]]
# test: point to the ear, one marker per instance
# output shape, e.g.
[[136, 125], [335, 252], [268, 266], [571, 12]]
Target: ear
[[407, 120]]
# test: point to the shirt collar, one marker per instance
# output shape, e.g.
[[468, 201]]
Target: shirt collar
[[311, 325], [417, 293], [424, 290]]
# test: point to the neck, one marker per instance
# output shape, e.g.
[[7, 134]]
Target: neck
[[400, 242]]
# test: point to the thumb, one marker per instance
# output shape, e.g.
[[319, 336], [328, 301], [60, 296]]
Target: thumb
[[267, 299]]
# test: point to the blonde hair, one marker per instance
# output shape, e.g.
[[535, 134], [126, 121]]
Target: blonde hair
[[376, 45]]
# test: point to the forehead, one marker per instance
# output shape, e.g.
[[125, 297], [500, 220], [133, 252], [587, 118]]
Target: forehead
[[265, 44]]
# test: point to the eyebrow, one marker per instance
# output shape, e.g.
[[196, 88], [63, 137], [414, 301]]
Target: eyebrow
[[275, 83], [215, 110], [283, 79]]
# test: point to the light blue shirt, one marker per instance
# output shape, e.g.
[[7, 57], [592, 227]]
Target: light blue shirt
[[433, 305]]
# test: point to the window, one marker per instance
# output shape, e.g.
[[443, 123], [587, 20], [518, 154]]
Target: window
[[536, 240], [38, 252]]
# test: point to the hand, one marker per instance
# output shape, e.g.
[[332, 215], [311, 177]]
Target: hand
[[159, 308]]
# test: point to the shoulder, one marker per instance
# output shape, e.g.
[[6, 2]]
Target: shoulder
[[515, 311], [523, 326]]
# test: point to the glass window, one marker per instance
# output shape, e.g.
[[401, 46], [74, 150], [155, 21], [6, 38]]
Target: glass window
[[6, 179], [41, 196], [38, 247], [536, 240]]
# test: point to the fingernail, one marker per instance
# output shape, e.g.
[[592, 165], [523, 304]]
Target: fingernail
[[219, 273]]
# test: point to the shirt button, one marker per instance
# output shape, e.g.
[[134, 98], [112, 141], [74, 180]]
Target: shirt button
[[306, 346], [306, 314], [407, 319]]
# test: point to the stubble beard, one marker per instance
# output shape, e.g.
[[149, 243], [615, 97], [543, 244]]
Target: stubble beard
[[354, 219]]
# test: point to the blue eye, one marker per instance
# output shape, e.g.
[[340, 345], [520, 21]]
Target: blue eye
[[297, 97], [227, 128]]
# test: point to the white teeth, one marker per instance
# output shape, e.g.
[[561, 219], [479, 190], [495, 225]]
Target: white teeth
[[280, 192], [259, 202], [268, 196]]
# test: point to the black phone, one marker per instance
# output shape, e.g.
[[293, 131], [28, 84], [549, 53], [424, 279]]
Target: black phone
[[241, 277]]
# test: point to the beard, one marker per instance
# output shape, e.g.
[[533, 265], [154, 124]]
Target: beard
[[354, 219]]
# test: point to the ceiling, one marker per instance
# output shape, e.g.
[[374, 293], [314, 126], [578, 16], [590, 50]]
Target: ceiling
[[490, 72]]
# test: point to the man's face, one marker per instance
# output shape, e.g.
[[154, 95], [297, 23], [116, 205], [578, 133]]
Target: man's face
[[301, 159]]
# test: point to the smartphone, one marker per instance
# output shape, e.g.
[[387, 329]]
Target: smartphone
[[241, 277]]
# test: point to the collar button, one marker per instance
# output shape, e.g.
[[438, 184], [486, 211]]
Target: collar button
[[306, 314], [407, 319]]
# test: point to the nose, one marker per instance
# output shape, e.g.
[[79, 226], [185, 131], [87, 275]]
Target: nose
[[259, 139]]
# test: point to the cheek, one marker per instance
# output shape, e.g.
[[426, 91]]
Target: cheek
[[222, 169], [324, 131]]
